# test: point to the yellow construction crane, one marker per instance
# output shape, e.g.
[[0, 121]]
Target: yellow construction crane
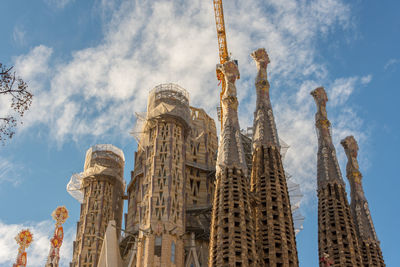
[[222, 46], [219, 20]]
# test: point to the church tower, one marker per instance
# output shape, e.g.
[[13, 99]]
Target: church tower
[[232, 235], [172, 185], [368, 241], [275, 236], [103, 189], [337, 240], [160, 197]]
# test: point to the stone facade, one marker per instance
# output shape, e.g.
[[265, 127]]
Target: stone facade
[[103, 187], [275, 237]]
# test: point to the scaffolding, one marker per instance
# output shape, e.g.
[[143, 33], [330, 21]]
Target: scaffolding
[[74, 186], [165, 101]]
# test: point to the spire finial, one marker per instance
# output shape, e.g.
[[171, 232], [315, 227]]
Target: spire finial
[[24, 240], [320, 99], [60, 215], [351, 148], [264, 128], [261, 57]]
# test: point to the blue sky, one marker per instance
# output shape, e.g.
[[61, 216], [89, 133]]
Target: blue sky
[[90, 65]]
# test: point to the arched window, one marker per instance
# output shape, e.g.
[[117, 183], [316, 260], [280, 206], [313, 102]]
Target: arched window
[[157, 246], [173, 252]]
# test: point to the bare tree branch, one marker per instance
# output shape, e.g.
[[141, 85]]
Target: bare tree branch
[[21, 100]]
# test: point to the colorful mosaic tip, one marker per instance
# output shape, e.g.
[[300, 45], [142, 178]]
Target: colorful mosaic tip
[[60, 214], [24, 238]]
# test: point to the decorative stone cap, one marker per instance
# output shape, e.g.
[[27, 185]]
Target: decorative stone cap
[[261, 57], [320, 96], [350, 146]]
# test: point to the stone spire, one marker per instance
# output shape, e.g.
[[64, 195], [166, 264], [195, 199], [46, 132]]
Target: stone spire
[[264, 128], [369, 243], [337, 239], [232, 238], [230, 149], [275, 236], [327, 167]]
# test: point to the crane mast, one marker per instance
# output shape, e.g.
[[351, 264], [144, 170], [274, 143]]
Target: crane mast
[[222, 46], [219, 20]]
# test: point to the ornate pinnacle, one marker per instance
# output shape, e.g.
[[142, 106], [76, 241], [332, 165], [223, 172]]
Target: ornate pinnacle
[[321, 117], [328, 167], [352, 169], [60, 215], [359, 204], [230, 152], [24, 240], [264, 127], [320, 99], [261, 58], [231, 74]]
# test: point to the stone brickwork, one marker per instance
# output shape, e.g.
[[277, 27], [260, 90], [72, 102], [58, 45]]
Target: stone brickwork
[[200, 159], [368, 241], [275, 236], [103, 187], [337, 239]]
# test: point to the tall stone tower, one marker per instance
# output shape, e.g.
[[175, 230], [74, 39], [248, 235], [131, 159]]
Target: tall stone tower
[[337, 239], [368, 241], [232, 238], [173, 176], [103, 188], [275, 236]]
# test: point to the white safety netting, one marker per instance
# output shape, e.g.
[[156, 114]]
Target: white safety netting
[[295, 197], [74, 186], [295, 194]]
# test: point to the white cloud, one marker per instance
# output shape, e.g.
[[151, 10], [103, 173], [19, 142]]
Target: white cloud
[[391, 63], [342, 88], [38, 251], [9, 172], [19, 35], [147, 43], [35, 63], [366, 79], [58, 3]]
